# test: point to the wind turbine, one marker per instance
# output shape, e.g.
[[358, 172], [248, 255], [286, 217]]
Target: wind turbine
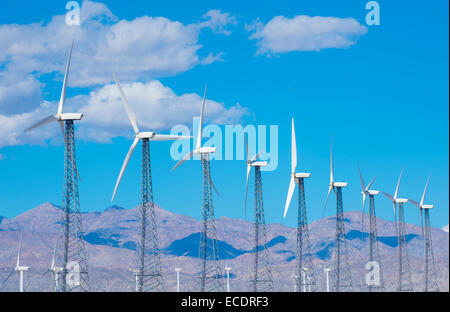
[[303, 245], [374, 253], [262, 273], [73, 244], [148, 263], [404, 271], [343, 278], [210, 274], [429, 265], [21, 269], [55, 270], [228, 269]]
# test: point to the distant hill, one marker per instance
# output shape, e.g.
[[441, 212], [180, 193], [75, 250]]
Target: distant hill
[[111, 236]]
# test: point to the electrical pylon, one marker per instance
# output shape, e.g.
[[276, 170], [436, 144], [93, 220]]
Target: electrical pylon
[[404, 272], [341, 271], [210, 278], [262, 274], [74, 271], [210, 273], [148, 267], [304, 276], [430, 278], [377, 284]]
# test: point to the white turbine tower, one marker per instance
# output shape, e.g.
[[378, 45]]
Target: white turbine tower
[[20, 269], [177, 272], [228, 269], [429, 264], [327, 278], [404, 271]]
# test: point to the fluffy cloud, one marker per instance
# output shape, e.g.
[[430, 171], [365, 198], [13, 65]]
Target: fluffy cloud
[[142, 49], [305, 33], [145, 47], [156, 106], [445, 228]]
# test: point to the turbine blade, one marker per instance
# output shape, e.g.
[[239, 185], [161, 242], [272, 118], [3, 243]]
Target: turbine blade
[[210, 180], [62, 99], [370, 184], [42, 122], [249, 168], [331, 165], [8, 277], [246, 148], [361, 178], [257, 155], [398, 183], [19, 250], [326, 201], [124, 166], [130, 113], [389, 196], [415, 203], [293, 149], [54, 253], [200, 126], [424, 192], [169, 137], [46, 272], [289, 195], [185, 157], [362, 216]]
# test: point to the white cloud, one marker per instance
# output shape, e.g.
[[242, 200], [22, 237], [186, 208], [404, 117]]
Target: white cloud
[[218, 21], [305, 33], [141, 49], [445, 228], [156, 106]]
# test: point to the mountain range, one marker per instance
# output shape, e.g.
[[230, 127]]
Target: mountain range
[[111, 235]]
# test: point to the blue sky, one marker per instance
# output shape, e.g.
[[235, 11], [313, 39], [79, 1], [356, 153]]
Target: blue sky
[[384, 99]]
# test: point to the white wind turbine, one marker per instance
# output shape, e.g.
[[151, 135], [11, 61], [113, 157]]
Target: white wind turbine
[[395, 200], [333, 185], [152, 136], [19, 268], [199, 149], [55, 270], [60, 117]]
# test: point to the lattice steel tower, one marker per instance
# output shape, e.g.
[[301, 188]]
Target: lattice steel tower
[[74, 272], [341, 270], [210, 278], [404, 272], [374, 259], [430, 278], [262, 274], [210, 273], [305, 280], [404, 269], [148, 271], [74, 254]]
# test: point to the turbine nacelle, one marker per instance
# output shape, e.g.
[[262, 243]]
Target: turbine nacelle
[[206, 150], [427, 206], [69, 116], [401, 200], [259, 163], [373, 192], [301, 175], [339, 184]]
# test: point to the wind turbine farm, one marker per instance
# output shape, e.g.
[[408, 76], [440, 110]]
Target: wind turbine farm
[[214, 97]]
